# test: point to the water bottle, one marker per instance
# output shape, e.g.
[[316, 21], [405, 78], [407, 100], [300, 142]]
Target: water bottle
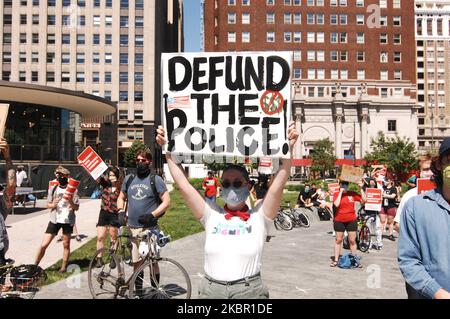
[[161, 239]]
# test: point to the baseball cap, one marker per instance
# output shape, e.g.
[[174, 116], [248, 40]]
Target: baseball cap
[[445, 146], [62, 170]]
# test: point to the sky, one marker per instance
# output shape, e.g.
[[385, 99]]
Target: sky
[[191, 25]]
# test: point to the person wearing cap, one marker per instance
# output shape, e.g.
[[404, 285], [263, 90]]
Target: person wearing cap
[[62, 216], [6, 199], [423, 246], [21, 176]]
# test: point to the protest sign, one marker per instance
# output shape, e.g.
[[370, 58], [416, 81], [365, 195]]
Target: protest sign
[[352, 174], [92, 162], [374, 199], [333, 188], [265, 166], [71, 189], [3, 116], [424, 185], [227, 104]]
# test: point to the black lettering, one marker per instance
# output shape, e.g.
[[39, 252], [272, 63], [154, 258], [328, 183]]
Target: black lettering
[[267, 137], [173, 132], [242, 148], [286, 73], [212, 142], [250, 72], [174, 86], [188, 139], [238, 83], [230, 108], [243, 108], [196, 85], [200, 106], [214, 73]]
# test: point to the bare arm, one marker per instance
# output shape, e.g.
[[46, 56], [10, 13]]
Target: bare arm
[[193, 199], [121, 201], [272, 200], [164, 206], [337, 202], [10, 190]]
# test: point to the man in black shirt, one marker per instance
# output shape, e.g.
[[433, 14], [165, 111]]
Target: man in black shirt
[[304, 198]]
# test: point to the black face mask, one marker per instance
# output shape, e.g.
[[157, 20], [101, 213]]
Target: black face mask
[[63, 181], [143, 170]]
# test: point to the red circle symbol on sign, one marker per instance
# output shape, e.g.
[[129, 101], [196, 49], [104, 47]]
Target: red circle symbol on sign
[[272, 102]]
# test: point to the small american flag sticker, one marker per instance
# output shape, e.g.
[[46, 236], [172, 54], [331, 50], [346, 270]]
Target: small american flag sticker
[[178, 102]]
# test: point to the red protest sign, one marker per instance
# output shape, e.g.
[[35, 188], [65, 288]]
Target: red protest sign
[[265, 165], [374, 199], [92, 162], [424, 185], [333, 188]]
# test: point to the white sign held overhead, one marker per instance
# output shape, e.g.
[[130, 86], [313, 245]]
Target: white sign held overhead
[[227, 104]]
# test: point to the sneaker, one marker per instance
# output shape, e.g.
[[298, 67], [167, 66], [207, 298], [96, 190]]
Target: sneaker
[[59, 239], [78, 238], [391, 237], [112, 264]]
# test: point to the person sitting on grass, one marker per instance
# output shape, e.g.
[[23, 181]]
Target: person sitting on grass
[[304, 198]]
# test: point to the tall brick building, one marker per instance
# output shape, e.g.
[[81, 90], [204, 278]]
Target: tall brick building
[[354, 63]]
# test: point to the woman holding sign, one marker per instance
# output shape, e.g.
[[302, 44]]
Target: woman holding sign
[[235, 234], [345, 218]]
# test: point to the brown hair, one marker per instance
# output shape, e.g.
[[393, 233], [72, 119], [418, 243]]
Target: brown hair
[[238, 168], [145, 154]]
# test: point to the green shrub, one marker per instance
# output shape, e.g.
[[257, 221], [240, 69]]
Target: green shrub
[[295, 188], [196, 182]]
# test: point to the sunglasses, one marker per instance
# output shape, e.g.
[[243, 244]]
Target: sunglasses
[[236, 184], [142, 160]]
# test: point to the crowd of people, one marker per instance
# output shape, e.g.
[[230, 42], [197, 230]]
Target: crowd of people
[[138, 201]]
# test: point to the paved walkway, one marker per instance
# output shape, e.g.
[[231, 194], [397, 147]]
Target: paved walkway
[[27, 227], [295, 266]]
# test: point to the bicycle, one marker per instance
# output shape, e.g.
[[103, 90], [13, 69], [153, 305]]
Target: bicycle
[[283, 221], [20, 282], [364, 237], [298, 217], [157, 277]]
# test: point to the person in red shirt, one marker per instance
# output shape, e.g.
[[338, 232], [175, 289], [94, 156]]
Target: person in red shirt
[[211, 186], [345, 217]]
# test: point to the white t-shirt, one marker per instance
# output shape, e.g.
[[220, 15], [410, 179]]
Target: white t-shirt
[[233, 248], [20, 176], [63, 208], [409, 194]]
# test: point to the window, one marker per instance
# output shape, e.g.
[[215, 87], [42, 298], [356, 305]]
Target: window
[[360, 19], [138, 114], [383, 21], [231, 37], [311, 37], [383, 4], [297, 55], [361, 74], [333, 18], [50, 57], [297, 37], [231, 18], [35, 19], [65, 77], [95, 77], [22, 76], [383, 57], [320, 55], [270, 36], [384, 75], [344, 55], [397, 38], [320, 18], [23, 38], [383, 38], [311, 74], [108, 39], [396, 4], [35, 38], [344, 76], [138, 78], [81, 39], [397, 57], [139, 4], [123, 96], [80, 58], [81, 21], [246, 18], [311, 55], [108, 77], [343, 19], [246, 37], [6, 57], [65, 58], [397, 21], [139, 59], [310, 18], [34, 57], [397, 75], [123, 39], [333, 56], [23, 19], [392, 125], [50, 77], [80, 77], [138, 96], [297, 18], [245, 2], [334, 74], [51, 39], [51, 20], [320, 74], [320, 37], [65, 20], [270, 18], [334, 37], [287, 36], [360, 56], [123, 115], [124, 58], [343, 37], [65, 39], [287, 18], [360, 38], [108, 21], [97, 20], [123, 77], [297, 73], [95, 58], [124, 21], [124, 4], [108, 58], [96, 39], [22, 57]]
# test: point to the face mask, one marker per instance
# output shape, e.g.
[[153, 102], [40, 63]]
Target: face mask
[[426, 174], [234, 196], [143, 170], [306, 189], [446, 175], [63, 181], [113, 179], [344, 186]]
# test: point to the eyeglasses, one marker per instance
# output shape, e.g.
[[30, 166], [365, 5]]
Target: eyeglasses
[[236, 184]]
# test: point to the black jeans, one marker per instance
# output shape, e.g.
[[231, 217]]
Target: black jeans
[[412, 293]]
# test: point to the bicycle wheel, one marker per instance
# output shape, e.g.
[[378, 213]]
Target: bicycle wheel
[[163, 279], [304, 220], [104, 281], [283, 221], [364, 239]]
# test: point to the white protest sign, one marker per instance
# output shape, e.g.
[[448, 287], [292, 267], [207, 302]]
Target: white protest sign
[[92, 162], [265, 166], [3, 116], [227, 104]]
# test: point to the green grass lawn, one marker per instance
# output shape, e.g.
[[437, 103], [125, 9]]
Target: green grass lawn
[[178, 222]]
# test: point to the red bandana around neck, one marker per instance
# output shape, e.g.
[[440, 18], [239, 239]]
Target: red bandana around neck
[[243, 214]]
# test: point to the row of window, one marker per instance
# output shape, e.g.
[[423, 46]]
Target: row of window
[[80, 39], [321, 91], [342, 74], [396, 4], [315, 37], [123, 115], [139, 4], [314, 18], [75, 20], [80, 58]]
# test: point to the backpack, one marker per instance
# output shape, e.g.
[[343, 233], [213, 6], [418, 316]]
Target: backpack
[[348, 261], [345, 243], [323, 214]]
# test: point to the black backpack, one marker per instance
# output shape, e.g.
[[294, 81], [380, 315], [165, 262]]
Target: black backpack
[[152, 184], [323, 214]]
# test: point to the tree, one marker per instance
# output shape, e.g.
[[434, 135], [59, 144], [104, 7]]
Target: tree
[[323, 158], [130, 154], [398, 154]]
